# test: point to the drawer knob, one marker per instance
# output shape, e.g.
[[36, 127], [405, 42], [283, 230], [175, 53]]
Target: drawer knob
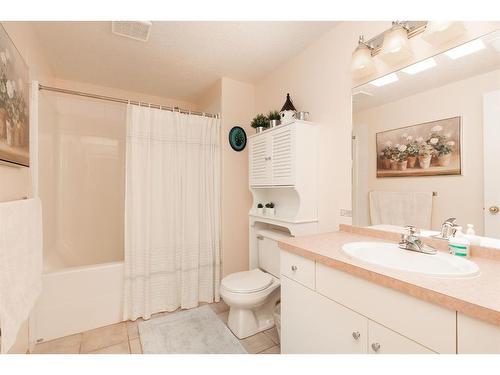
[[294, 268], [356, 335], [376, 346]]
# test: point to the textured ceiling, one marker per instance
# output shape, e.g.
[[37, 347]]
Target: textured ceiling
[[180, 60]]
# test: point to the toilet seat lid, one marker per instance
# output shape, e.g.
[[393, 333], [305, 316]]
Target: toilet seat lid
[[247, 281]]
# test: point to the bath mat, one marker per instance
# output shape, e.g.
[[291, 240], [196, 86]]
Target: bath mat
[[195, 331]]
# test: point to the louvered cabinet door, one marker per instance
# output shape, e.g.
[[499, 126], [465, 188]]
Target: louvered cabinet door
[[260, 167], [282, 156]]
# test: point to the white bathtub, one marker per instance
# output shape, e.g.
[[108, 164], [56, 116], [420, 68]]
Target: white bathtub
[[78, 299]]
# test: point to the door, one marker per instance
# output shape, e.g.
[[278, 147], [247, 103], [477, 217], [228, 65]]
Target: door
[[491, 133], [314, 324], [282, 163], [260, 168], [382, 340]]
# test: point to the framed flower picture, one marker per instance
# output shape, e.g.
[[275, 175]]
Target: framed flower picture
[[14, 104], [428, 149]]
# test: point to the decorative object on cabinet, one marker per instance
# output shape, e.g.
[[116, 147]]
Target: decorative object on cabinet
[[428, 149], [302, 115], [237, 138], [288, 110], [274, 118], [14, 104], [260, 123], [270, 210], [260, 209]]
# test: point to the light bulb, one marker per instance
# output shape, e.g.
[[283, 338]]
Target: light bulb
[[362, 62], [395, 46], [440, 32]]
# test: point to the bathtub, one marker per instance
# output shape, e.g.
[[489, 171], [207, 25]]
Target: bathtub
[[77, 299]]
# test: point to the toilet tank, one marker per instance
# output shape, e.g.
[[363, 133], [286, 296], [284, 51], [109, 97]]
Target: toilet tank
[[269, 252]]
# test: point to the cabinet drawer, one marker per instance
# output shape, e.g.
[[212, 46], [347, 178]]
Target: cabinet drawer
[[382, 340], [477, 337], [426, 323], [298, 268]]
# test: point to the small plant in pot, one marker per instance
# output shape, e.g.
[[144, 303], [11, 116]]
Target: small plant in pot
[[425, 152], [260, 123], [412, 151], [274, 118], [442, 145], [400, 157], [260, 209], [386, 155], [270, 209]]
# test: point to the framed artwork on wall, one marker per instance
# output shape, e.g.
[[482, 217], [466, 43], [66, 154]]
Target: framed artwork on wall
[[429, 149], [14, 104]]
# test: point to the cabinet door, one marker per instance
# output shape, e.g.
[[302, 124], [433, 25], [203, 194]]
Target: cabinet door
[[382, 340], [311, 323], [476, 336], [260, 168], [282, 156]]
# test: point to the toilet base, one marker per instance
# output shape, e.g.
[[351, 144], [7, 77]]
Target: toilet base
[[248, 322]]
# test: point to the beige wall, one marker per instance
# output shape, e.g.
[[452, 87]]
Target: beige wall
[[234, 100], [319, 81], [458, 196]]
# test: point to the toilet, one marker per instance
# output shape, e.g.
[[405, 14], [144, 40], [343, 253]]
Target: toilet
[[252, 295]]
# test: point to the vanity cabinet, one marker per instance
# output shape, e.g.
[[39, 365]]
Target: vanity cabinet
[[342, 313], [283, 155]]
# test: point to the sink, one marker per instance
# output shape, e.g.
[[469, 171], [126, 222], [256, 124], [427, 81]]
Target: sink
[[391, 256]]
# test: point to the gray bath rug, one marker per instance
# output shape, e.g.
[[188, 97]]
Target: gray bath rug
[[195, 331]]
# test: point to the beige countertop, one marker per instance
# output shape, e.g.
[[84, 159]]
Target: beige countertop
[[478, 297]]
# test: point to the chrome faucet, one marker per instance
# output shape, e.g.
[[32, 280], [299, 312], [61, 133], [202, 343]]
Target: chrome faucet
[[411, 241], [448, 229]]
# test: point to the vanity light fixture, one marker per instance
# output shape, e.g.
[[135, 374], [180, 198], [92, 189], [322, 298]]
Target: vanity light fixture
[[362, 62], [420, 66], [395, 47], [440, 32], [385, 80], [465, 49]]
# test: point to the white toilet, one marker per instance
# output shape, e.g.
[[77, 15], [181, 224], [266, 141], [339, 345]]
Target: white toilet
[[252, 295]]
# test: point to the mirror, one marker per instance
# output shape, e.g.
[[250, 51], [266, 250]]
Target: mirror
[[426, 143]]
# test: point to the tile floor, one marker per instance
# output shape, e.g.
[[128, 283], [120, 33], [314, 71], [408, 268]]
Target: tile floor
[[123, 338]]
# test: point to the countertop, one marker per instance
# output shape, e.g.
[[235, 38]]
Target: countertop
[[477, 297]]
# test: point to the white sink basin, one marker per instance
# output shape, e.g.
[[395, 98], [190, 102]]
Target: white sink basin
[[391, 256]]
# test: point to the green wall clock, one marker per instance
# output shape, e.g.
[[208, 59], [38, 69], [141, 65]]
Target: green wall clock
[[237, 138]]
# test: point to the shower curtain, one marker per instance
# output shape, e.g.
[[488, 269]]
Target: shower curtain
[[172, 211]]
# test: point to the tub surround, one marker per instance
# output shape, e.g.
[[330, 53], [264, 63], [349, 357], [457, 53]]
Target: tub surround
[[477, 297]]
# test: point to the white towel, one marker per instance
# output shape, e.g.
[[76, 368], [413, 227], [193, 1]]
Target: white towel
[[401, 208], [20, 264]]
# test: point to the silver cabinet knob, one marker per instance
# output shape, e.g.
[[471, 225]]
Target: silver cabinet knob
[[356, 335], [294, 268], [376, 346]]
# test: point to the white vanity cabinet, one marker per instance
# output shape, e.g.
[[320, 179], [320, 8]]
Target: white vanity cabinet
[[283, 156], [342, 313]]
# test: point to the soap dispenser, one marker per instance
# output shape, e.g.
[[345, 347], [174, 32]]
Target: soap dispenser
[[458, 244]]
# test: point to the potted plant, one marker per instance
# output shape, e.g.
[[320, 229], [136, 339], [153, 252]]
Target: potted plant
[[425, 152], [400, 156], [260, 123], [412, 151], [386, 155], [270, 209], [260, 209], [274, 118]]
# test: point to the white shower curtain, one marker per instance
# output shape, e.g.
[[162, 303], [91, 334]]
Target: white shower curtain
[[172, 211]]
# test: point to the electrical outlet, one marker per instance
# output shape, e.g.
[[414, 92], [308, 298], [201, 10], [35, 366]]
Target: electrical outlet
[[346, 213]]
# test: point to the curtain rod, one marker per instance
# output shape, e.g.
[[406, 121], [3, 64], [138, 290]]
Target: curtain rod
[[126, 101]]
